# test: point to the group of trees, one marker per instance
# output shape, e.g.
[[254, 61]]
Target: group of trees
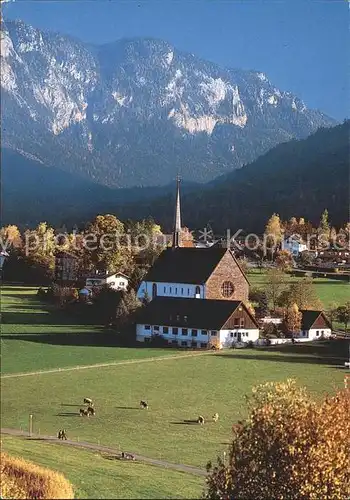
[[276, 229], [105, 244], [290, 446]]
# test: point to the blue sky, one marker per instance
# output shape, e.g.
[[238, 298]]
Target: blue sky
[[302, 46]]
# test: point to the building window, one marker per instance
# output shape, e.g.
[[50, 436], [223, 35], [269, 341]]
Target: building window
[[156, 328], [182, 291], [227, 289], [204, 345], [213, 333], [231, 334], [185, 319], [178, 317], [204, 332], [194, 333], [147, 339], [174, 342], [317, 333], [154, 290], [169, 289], [193, 344], [188, 291], [165, 329], [175, 330], [184, 343], [165, 289], [241, 322], [147, 327], [236, 322], [175, 291], [198, 290], [322, 332], [184, 331]]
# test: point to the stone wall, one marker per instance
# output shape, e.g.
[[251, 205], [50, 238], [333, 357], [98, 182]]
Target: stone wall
[[227, 270]]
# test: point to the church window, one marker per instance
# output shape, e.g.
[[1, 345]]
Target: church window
[[227, 289], [154, 290]]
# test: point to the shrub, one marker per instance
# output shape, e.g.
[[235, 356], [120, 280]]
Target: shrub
[[23, 479], [290, 447]]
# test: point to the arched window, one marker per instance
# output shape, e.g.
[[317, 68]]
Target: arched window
[[198, 290], [154, 290]]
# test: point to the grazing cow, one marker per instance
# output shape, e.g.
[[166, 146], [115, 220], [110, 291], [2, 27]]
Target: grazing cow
[[127, 456], [91, 410], [215, 417], [83, 412], [62, 434], [59, 435], [200, 420], [143, 404], [88, 401]]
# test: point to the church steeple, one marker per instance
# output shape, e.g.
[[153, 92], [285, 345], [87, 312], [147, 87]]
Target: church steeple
[[177, 218]]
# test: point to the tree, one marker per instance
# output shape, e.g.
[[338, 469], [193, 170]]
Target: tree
[[284, 260], [343, 314], [106, 248], [332, 312], [292, 320], [273, 232], [290, 447], [10, 237], [324, 228], [275, 284], [259, 297], [302, 293]]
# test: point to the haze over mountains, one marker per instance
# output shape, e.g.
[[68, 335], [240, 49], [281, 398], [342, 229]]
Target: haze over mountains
[[137, 112]]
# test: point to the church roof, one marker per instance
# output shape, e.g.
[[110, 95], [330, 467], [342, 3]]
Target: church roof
[[191, 313], [185, 265]]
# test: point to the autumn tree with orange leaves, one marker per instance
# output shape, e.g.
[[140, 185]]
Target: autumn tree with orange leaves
[[290, 447]]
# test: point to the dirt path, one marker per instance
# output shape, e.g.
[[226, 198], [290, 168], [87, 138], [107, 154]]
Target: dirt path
[[100, 448], [102, 365]]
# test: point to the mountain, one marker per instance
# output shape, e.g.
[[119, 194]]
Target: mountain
[[33, 192], [136, 112], [299, 178]]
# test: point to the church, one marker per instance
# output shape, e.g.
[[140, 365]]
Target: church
[[197, 296], [201, 273]]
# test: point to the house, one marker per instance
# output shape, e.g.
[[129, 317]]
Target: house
[[202, 273], [116, 281], [294, 244], [314, 325], [188, 322]]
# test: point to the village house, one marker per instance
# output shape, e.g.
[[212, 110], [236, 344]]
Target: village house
[[294, 244], [197, 323], [314, 325], [116, 281]]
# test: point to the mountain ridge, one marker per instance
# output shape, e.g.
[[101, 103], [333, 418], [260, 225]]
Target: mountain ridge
[[137, 111]]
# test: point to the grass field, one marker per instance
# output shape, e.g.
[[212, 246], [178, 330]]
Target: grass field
[[177, 390], [34, 337], [327, 290], [93, 475]]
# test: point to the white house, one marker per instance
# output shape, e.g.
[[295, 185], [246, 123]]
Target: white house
[[116, 281], [294, 244], [314, 325], [187, 322]]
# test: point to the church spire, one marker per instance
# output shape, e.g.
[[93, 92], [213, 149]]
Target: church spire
[[177, 218]]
